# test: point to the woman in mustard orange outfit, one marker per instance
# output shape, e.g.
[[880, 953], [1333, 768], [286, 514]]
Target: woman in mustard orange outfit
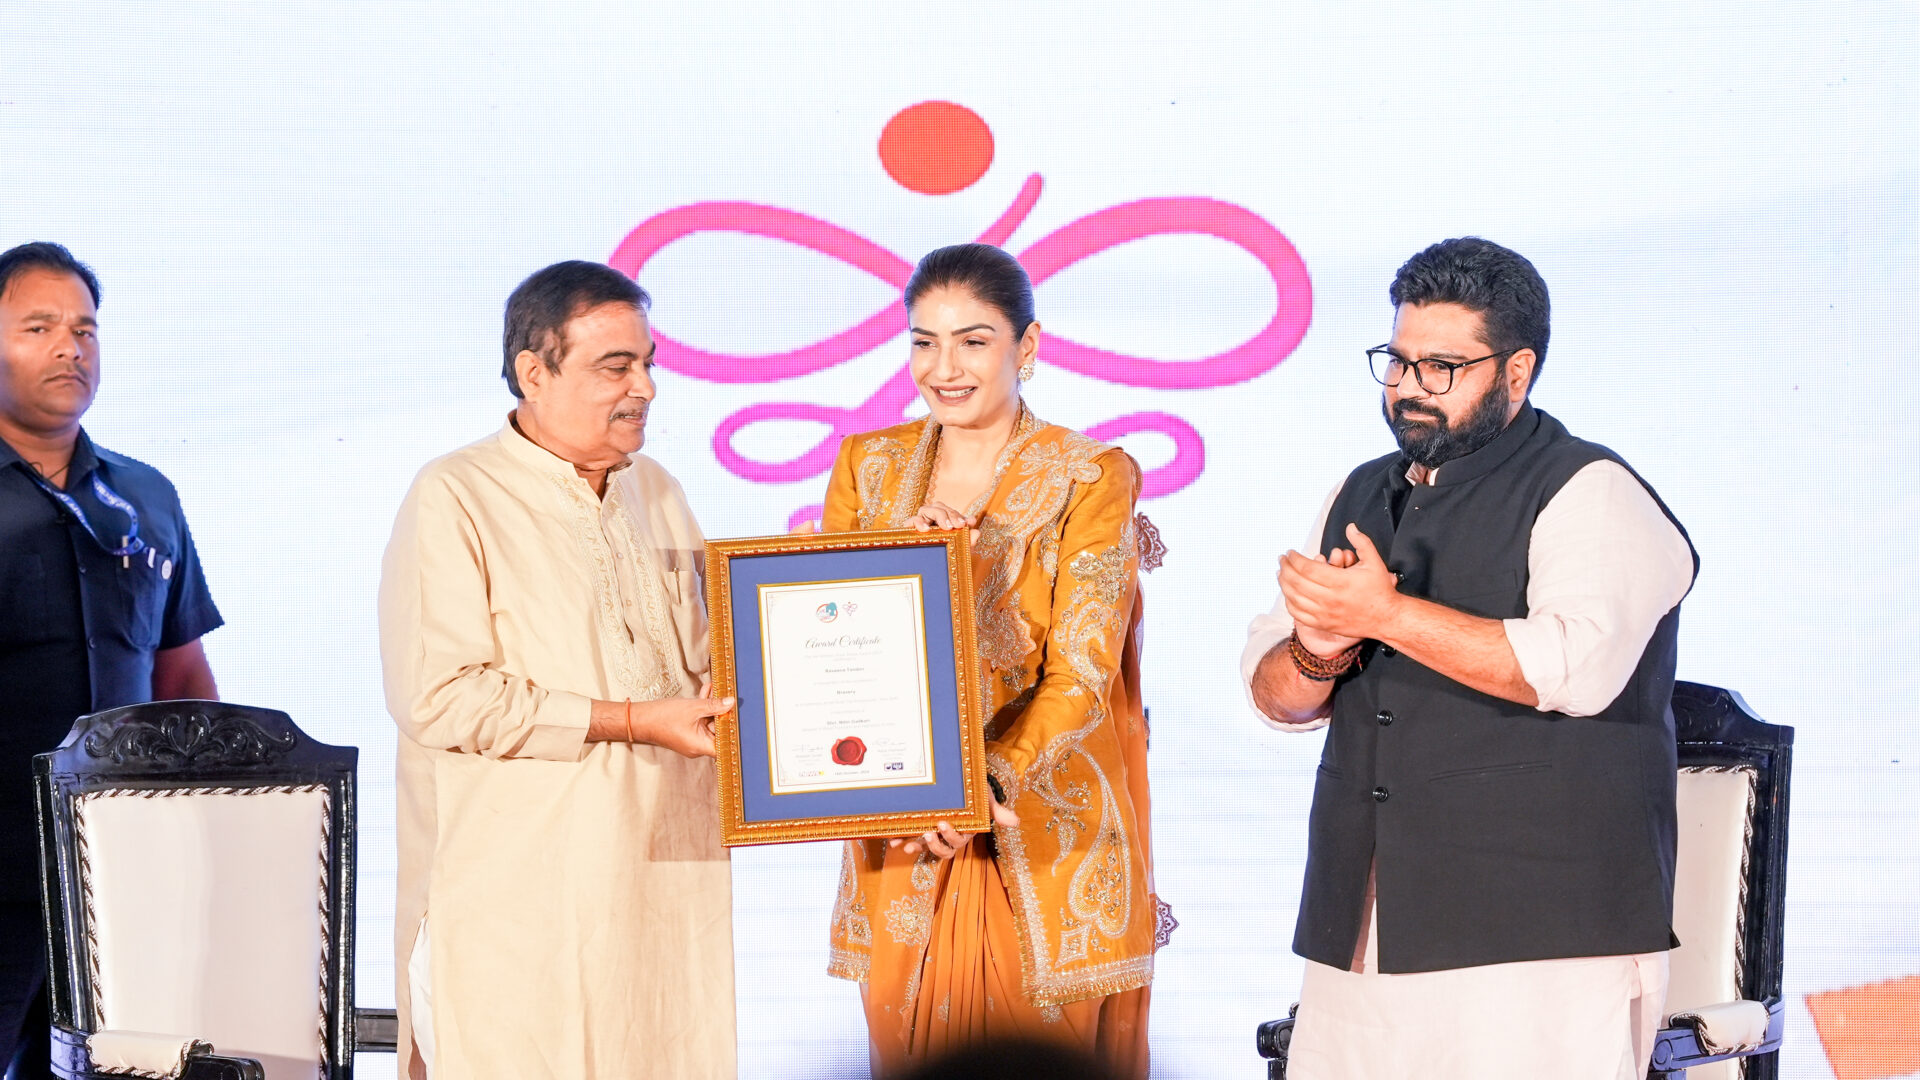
[[1046, 927]]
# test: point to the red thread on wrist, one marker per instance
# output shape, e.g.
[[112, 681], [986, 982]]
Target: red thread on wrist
[[629, 719]]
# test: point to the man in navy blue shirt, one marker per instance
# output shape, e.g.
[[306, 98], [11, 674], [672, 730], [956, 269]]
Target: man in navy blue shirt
[[102, 603]]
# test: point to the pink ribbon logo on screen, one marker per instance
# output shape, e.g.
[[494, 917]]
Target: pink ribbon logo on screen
[[937, 148]]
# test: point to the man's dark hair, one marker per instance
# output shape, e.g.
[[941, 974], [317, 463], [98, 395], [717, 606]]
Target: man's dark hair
[[994, 277], [541, 307], [1482, 276], [43, 255]]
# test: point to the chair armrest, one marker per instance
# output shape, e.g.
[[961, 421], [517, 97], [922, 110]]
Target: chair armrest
[[1714, 1033], [1273, 1039], [1731, 1027], [376, 1030], [169, 1057]]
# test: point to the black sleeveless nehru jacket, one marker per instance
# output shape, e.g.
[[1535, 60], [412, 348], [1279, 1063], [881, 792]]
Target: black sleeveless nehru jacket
[[1499, 833]]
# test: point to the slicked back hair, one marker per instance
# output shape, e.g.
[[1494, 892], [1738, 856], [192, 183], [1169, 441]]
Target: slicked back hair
[[994, 277], [43, 255], [541, 307], [1482, 276]]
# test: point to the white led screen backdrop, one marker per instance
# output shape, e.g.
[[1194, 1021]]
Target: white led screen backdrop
[[307, 217]]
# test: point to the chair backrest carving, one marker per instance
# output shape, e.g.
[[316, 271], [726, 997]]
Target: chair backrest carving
[[200, 882]]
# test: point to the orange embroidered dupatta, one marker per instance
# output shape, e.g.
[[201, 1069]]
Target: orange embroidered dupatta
[[1027, 927]]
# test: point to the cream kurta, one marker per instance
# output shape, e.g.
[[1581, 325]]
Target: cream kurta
[[578, 894]]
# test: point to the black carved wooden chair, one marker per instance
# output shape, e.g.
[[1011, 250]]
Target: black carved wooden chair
[[197, 871], [1725, 1013]]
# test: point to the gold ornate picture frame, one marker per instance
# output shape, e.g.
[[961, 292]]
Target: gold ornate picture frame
[[854, 668]]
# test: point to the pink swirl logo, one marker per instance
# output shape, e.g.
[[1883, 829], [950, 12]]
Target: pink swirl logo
[[935, 148]]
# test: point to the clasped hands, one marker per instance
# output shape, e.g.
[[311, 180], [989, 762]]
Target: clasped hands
[[1341, 600]]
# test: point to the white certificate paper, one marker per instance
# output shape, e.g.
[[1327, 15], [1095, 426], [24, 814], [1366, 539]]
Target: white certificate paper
[[846, 672]]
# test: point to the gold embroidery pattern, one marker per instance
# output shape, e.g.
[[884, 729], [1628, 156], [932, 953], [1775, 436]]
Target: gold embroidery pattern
[[886, 452], [1045, 984], [1092, 614], [910, 920], [1106, 573], [651, 585], [911, 491], [1049, 547], [1065, 824], [1042, 488], [1003, 634], [614, 638], [912, 992], [1071, 783], [1073, 942], [850, 925], [923, 876], [1102, 891], [1001, 770]]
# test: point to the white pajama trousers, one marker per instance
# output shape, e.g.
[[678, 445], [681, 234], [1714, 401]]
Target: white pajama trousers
[[420, 998], [1592, 1018]]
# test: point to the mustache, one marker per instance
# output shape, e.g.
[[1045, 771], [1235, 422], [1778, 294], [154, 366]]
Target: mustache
[[1404, 409]]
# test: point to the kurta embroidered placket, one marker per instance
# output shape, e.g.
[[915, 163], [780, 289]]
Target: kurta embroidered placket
[[616, 639]]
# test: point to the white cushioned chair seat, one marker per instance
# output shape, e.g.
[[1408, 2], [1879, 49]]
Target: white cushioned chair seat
[[142, 1053], [205, 917], [1727, 1027]]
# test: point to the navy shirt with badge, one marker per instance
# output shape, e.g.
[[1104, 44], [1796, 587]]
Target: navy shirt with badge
[[79, 625]]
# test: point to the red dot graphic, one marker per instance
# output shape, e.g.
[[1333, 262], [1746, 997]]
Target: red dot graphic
[[936, 147]]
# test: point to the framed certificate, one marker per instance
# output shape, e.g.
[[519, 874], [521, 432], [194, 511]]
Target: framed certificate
[[851, 660]]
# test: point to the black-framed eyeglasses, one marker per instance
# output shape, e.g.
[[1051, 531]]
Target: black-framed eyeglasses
[[1433, 376]]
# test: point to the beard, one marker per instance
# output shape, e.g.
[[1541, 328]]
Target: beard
[[1434, 442]]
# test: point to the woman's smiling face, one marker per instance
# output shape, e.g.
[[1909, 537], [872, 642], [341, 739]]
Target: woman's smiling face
[[966, 358]]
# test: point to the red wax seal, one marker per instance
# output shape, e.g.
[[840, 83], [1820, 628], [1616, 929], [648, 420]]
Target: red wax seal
[[849, 751]]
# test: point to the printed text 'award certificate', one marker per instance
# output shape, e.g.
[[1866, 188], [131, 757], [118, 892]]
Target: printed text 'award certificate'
[[852, 664], [846, 682]]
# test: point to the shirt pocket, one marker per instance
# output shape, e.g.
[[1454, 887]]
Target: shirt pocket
[[141, 596], [23, 599]]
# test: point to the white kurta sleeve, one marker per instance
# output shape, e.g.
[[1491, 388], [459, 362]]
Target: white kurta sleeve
[[1276, 625], [445, 684], [1604, 565]]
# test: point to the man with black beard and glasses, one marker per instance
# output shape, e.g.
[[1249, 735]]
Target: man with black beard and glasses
[[1487, 630]]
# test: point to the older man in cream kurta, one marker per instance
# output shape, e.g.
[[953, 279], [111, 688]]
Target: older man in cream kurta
[[570, 897]]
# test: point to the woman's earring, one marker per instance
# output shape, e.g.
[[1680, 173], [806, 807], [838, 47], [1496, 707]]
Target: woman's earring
[[1026, 371]]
